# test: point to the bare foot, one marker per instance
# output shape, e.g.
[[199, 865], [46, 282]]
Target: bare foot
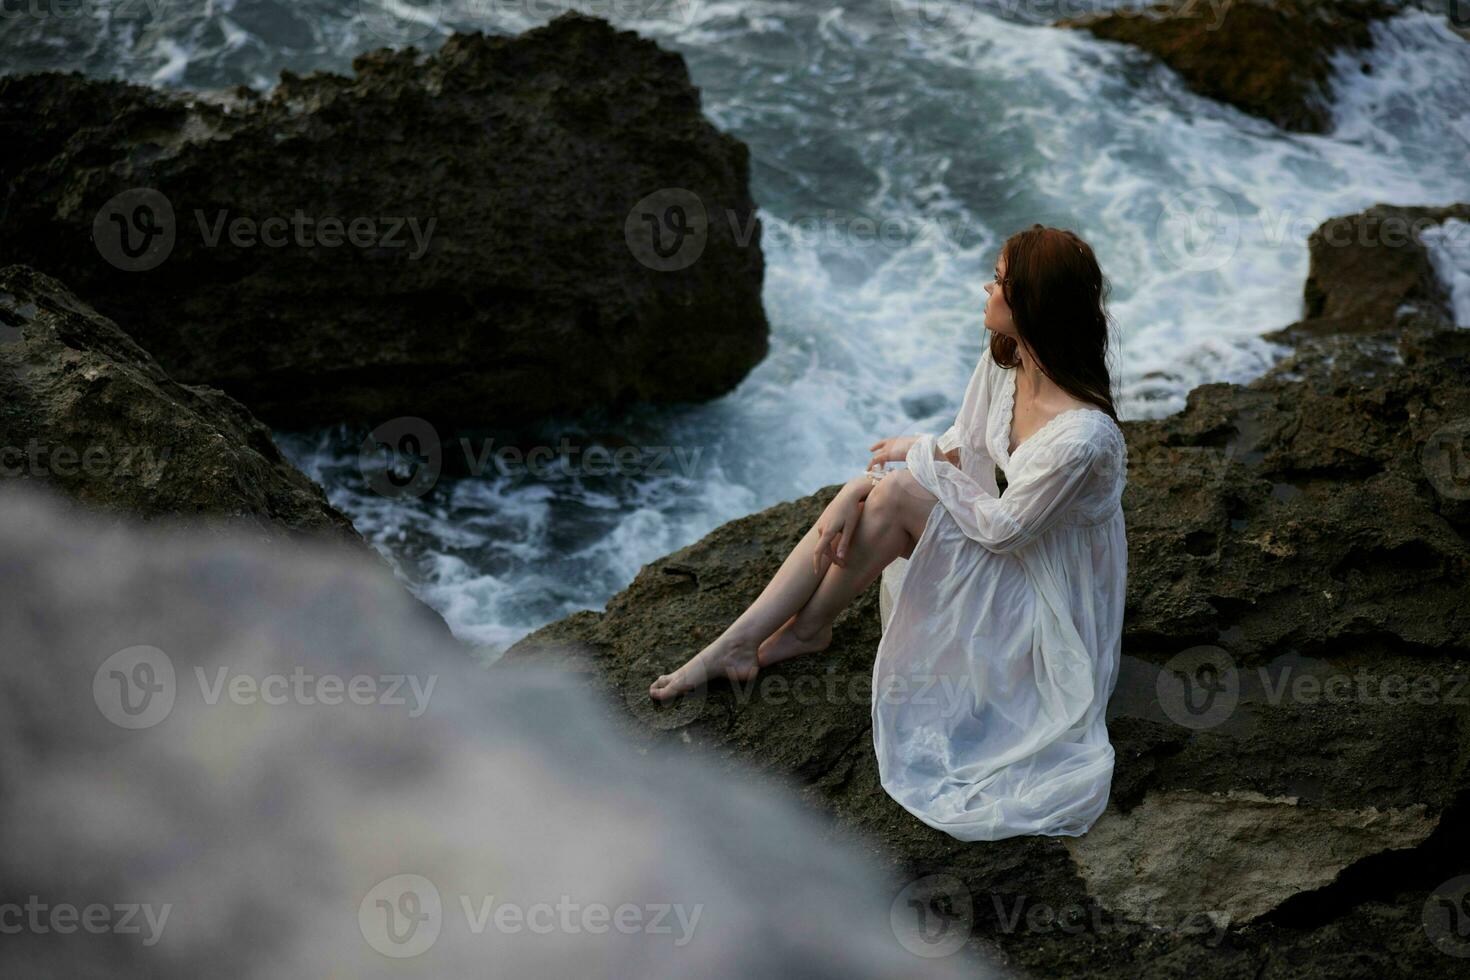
[[731, 659], [785, 643]]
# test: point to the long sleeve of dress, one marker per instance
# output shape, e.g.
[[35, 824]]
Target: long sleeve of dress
[[967, 434], [1042, 489]]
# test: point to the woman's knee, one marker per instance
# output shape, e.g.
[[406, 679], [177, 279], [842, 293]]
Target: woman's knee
[[906, 501], [901, 488], [885, 500], [897, 498]]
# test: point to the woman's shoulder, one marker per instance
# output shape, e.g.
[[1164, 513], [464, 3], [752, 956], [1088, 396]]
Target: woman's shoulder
[[979, 388], [986, 364], [1090, 427]]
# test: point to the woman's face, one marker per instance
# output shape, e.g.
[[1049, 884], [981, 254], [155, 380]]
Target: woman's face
[[997, 313]]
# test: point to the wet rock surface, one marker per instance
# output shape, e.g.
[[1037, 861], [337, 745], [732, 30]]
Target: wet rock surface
[[1270, 58], [1292, 716], [508, 228]]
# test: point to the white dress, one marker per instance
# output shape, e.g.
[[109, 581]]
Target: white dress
[[1002, 631]]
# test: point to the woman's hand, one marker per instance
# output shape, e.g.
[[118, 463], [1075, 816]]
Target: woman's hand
[[836, 525], [894, 449]]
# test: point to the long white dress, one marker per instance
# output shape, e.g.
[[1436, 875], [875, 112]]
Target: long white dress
[[1002, 631]]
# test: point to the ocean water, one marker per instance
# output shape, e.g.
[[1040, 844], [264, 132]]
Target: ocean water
[[894, 146]]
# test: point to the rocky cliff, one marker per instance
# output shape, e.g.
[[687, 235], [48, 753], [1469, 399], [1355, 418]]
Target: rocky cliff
[[87, 414]]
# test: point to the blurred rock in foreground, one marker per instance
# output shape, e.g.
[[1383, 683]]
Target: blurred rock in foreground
[[219, 761]]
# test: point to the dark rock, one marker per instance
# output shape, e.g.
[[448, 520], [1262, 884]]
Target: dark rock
[[85, 411], [1270, 58], [1371, 269], [529, 154], [1306, 534]]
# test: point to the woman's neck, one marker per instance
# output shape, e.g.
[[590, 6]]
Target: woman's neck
[[1030, 375]]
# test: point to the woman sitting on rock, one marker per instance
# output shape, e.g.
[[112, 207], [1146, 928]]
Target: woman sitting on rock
[[1002, 612]]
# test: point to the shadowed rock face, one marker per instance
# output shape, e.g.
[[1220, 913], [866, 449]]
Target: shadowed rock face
[[375, 818], [1292, 717], [87, 412], [1270, 58], [504, 264]]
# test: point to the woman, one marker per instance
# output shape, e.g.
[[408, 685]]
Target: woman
[[1002, 613]]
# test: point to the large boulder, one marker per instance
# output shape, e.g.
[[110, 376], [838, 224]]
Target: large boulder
[[505, 228], [1384, 246], [1270, 58], [1292, 789], [86, 412]]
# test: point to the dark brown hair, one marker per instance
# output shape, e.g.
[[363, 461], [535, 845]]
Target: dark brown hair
[[1057, 295]]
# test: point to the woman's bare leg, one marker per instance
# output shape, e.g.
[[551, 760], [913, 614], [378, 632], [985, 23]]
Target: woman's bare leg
[[733, 653], [892, 518]]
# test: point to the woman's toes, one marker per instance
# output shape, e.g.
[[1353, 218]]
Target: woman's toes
[[666, 686]]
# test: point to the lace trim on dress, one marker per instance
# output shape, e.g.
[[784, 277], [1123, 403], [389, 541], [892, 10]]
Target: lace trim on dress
[[1006, 415]]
